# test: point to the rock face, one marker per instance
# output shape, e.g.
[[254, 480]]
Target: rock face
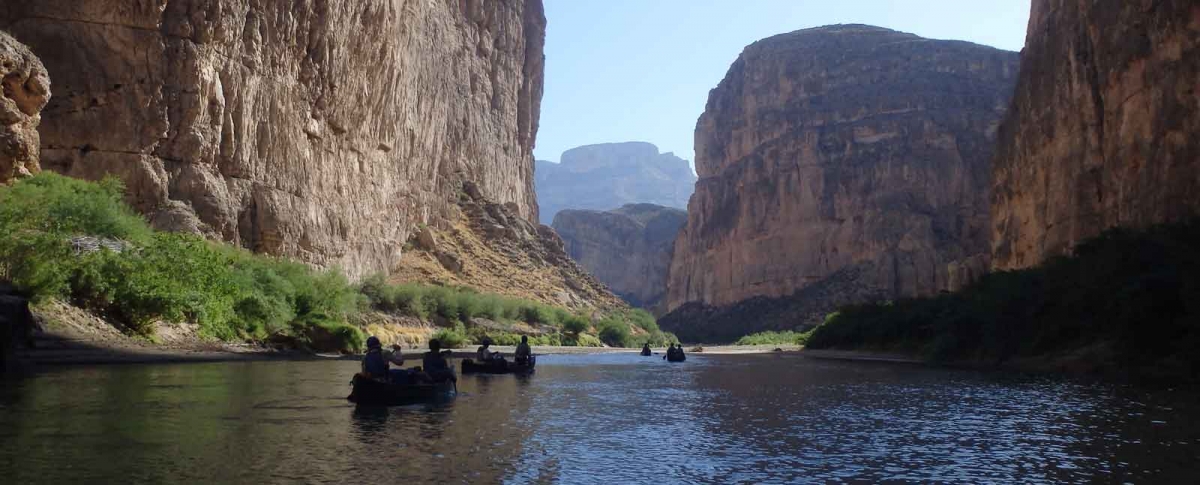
[[325, 131], [628, 249], [607, 176], [26, 90], [845, 151], [1103, 126], [491, 247]]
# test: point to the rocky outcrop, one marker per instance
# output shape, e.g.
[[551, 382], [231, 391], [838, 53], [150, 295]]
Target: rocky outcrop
[[1103, 126], [26, 90], [491, 247], [610, 175], [324, 131], [628, 249], [841, 150]]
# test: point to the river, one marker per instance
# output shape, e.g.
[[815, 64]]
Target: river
[[613, 418]]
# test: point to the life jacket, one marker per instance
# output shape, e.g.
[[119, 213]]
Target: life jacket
[[374, 364]]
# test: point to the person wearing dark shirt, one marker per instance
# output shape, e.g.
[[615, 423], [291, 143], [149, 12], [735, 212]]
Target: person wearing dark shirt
[[374, 365], [523, 351], [436, 366]]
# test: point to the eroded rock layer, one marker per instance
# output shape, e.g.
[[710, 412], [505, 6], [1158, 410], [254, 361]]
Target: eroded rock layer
[[842, 150], [628, 249], [325, 131], [1103, 126], [25, 91]]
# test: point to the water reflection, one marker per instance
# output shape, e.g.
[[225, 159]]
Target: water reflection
[[593, 419]]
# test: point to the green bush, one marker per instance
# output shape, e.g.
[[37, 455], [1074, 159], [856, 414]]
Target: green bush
[[774, 338], [452, 338], [613, 331], [575, 324], [229, 292]]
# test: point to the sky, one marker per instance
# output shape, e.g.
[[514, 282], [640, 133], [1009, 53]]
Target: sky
[[640, 70]]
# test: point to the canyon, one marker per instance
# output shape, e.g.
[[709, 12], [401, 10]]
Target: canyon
[[628, 249], [1108, 139], [328, 132], [836, 165], [610, 175]]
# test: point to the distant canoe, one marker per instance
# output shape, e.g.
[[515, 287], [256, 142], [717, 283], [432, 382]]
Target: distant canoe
[[676, 358], [469, 366], [376, 393]]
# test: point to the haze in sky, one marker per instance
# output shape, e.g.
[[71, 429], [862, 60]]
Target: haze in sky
[[640, 70]]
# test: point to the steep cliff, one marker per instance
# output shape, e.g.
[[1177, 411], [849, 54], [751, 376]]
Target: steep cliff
[[848, 152], [610, 175], [1103, 126], [26, 89], [628, 249], [324, 131]]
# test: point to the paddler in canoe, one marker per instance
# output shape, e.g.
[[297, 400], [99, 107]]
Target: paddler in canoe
[[646, 349], [377, 363]]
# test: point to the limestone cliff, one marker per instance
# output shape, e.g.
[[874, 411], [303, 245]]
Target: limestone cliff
[[26, 89], [628, 249], [1103, 126], [846, 151], [324, 131], [609, 175]]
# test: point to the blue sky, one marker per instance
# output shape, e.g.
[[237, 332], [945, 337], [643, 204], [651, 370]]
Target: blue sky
[[640, 70]]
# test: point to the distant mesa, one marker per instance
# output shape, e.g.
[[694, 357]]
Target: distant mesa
[[628, 249], [610, 175]]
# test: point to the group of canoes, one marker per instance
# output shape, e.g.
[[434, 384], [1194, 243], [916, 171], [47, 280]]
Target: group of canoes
[[674, 354], [378, 383]]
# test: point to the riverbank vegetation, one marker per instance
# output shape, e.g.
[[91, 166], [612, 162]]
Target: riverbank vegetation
[[1129, 300], [76, 241], [775, 338]]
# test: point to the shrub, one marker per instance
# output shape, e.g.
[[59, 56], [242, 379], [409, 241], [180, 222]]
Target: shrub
[[613, 331], [452, 338], [774, 338], [575, 324]]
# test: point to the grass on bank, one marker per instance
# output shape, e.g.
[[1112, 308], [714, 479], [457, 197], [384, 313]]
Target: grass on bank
[[1134, 293], [236, 295]]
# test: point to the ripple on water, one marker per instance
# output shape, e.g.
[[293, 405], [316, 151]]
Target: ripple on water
[[595, 419]]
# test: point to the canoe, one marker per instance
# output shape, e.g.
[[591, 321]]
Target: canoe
[[647, 353], [377, 393], [469, 366], [678, 358]]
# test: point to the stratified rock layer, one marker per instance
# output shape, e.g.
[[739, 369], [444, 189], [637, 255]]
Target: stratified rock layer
[[842, 150], [610, 175], [25, 91], [1103, 129], [320, 130], [628, 249]]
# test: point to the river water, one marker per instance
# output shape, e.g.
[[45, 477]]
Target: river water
[[615, 418]]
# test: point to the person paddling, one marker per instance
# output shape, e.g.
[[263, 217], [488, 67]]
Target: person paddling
[[523, 351], [435, 364], [646, 349]]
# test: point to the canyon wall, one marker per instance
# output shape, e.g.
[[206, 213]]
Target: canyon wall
[[1103, 126], [324, 131], [610, 175], [26, 90], [846, 157], [628, 249]]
